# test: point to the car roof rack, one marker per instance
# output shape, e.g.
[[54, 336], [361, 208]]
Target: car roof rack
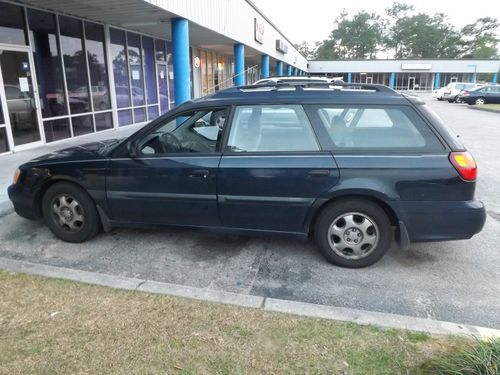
[[309, 85]]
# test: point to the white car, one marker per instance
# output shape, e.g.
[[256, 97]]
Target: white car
[[438, 94], [453, 89]]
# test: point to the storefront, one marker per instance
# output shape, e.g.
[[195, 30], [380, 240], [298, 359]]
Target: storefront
[[68, 70]]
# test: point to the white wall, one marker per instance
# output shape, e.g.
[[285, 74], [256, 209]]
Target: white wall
[[389, 66], [234, 19]]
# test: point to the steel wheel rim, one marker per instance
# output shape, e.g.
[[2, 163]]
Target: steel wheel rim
[[67, 213], [479, 101], [353, 235]]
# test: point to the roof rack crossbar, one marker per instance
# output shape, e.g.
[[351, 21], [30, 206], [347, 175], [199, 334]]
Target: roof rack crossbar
[[327, 85]]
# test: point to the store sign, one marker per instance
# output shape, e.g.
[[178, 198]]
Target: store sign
[[196, 62], [258, 31], [281, 46], [415, 66]]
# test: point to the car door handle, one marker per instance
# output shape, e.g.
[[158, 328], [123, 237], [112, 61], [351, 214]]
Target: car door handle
[[199, 173], [319, 173]]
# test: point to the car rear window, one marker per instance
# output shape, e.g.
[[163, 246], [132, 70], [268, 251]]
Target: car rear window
[[376, 128]]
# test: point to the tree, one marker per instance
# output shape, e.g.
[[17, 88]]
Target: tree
[[420, 35], [357, 37], [305, 49], [479, 38]]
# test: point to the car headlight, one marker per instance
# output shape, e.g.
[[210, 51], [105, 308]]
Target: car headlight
[[17, 174]]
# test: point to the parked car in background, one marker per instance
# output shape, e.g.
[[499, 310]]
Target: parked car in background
[[455, 88], [353, 166], [484, 95], [438, 94]]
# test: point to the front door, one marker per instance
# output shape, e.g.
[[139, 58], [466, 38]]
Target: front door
[[170, 173], [18, 92], [411, 83], [272, 169]]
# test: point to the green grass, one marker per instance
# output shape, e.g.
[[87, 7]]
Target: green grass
[[494, 107], [50, 326], [478, 358]]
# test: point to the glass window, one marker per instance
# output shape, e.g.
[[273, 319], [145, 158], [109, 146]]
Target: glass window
[[375, 128], [74, 64], [56, 129], [120, 67], [163, 87], [96, 56], [152, 112], [203, 68], [135, 64], [103, 121], [198, 131], [124, 117], [82, 125], [170, 75], [12, 27], [139, 115], [4, 144], [149, 70], [161, 53], [43, 33], [271, 128]]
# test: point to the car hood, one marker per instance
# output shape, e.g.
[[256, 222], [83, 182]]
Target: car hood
[[87, 151]]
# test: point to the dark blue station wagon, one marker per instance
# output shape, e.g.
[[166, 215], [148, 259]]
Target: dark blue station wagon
[[353, 166]]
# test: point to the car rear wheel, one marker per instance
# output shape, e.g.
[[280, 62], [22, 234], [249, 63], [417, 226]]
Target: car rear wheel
[[353, 233], [70, 213], [479, 101]]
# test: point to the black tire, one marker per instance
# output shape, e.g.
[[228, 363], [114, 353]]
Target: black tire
[[364, 207], [450, 100], [83, 230], [480, 101]]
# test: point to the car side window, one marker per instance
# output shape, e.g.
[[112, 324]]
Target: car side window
[[392, 127], [192, 132], [271, 128]]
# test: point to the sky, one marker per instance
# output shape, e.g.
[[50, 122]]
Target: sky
[[316, 22]]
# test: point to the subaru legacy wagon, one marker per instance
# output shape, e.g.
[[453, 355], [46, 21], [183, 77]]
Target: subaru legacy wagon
[[352, 166]]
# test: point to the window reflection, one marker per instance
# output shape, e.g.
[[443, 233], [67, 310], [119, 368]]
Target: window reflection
[[120, 67], [12, 24], [56, 129], [94, 35], [135, 64], [74, 64], [149, 65], [47, 62]]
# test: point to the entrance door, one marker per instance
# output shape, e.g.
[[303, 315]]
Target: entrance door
[[411, 83], [369, 80], [19, 96]]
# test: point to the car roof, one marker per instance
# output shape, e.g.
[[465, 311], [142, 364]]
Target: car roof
[[302, 93]]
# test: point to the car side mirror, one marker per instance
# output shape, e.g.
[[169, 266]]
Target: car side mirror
[[132, 150]]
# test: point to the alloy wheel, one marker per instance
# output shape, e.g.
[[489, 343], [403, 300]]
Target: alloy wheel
[[67, 213]]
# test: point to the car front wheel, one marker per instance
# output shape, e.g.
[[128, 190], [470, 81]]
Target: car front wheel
[[70, 213], [353, 233]]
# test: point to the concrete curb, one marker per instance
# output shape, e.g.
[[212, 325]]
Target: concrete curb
[[385, 320]]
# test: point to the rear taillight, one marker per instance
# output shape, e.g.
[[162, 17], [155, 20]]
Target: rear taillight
[[465, 165], [465, 93]]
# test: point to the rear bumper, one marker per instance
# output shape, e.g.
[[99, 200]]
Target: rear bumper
[[441, 221], [23, 201]]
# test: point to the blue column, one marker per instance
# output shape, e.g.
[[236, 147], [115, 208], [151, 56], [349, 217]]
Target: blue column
[[279, 68], [437, 81], [349, 77], [265, 66], [239, 64], [288, 70], [392, 79], [294, 71], [494, 80], [180, 51]]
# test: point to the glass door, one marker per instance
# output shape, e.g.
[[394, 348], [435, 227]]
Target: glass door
[[20, 111], [411, 83]]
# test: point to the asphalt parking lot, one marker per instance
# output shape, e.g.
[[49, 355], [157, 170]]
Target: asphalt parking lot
[[453, 281]]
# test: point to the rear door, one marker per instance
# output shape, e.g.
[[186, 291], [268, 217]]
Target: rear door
[[272, 169]]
